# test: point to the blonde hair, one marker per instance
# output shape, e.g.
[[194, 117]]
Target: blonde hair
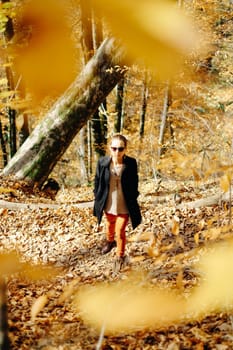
[[121, 137]]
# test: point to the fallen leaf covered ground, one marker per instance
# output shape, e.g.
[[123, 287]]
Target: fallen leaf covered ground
[[41, 313]]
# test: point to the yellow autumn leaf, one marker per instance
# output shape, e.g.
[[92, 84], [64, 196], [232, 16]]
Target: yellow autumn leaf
[[7, 94], [18, 104], [197, 237], [38, 305], [201, 224], [144, 236], [154, 32], [180, 280], [225, 182], [180, 241], [196, 175], [175, 225], [153, 251], [7, 190], [3, 81], [69, 290], [212, 233], [137, 258]]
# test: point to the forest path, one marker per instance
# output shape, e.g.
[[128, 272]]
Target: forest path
[[65, 238]]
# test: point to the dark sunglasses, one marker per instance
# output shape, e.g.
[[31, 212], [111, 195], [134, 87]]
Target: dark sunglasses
[[120, 149]]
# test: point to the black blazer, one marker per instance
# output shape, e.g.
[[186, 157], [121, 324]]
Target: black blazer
[[129, 182]]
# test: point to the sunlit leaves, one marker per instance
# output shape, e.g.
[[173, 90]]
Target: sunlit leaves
[[45, 52], [154, 32]]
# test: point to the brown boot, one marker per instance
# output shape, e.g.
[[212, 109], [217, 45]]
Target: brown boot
[[108, 246], [120, 263]]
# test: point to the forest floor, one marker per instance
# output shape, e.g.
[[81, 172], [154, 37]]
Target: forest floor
[[41, 314]]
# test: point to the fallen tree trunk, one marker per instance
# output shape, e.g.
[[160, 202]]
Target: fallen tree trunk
[[49, 140], [32, 206], [208, 201]]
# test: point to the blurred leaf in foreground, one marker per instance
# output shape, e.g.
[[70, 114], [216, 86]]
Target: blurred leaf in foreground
[[155, 32], [10, 264], [129, 305], [44, 49], [214, 292]]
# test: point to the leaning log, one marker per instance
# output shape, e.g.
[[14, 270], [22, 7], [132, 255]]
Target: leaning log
[[39, 154]]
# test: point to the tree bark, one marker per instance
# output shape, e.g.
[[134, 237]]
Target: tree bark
[[144, 106], [208, 201], [163, 125], [8, 35], [3, 145], [99, 121], [118, 126], [49, 140], [4, 338], [87, 37], [33, 206]]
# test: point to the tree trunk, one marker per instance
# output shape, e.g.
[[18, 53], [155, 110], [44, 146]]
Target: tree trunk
[[24, 131], [3, 146], [88, 52], [49, 140], [208, 201], [4, 338], [98, 121], [163, 125], [118, 126], [144, 106], [83, 155], [86, 22], [8, 35]]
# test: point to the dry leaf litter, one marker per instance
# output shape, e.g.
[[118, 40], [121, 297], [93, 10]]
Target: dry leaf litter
[[164, 246]]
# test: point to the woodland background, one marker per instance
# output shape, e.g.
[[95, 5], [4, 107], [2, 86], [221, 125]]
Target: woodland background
[[176, 291]]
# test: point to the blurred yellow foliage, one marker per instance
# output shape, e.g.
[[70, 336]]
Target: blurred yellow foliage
[[44, 51], [10, 263], [133, 303], [154, 32], [128, 305], [215, 290]]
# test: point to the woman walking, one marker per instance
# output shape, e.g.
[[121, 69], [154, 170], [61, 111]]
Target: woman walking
[[116, 192]]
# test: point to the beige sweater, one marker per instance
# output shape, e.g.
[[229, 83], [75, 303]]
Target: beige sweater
[[115, 201]]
